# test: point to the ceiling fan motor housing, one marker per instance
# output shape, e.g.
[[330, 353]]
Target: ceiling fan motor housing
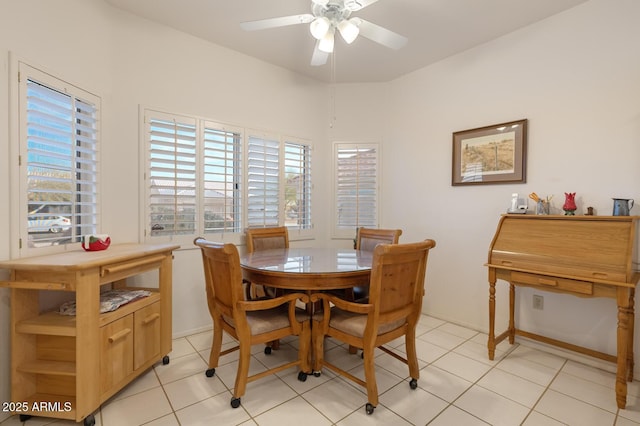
[[334, 11]]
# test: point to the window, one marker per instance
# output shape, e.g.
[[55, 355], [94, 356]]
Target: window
[[172, 175], [297, 190], [204, 177], [263, 181], [355, 187], [222, 183], [59, 165]]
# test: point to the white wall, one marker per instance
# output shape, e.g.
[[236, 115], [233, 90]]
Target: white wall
[[576, 78]]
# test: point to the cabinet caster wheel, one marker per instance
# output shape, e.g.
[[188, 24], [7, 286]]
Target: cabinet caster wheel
[[369, 408], [89, 420], [267, 350], [235, 402], [210, 372], [413, 384], [317, 373], [302, 376], [24, 417], [165, 360]]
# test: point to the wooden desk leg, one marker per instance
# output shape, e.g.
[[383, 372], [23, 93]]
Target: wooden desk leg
[[512, 307], [491, 344], [630, 363], [624, 313]]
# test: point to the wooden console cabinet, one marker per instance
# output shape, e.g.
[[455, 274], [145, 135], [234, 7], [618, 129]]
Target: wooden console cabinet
[[66, 366], [585, 256]]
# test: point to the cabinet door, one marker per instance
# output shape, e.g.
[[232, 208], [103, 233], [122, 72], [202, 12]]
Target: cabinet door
[[147, 334], [116, 362]]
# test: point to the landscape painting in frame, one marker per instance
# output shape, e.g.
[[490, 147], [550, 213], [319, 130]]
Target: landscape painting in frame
[[491, 154]]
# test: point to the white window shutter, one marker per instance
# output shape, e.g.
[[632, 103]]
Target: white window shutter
[[297, 175], [61, 124], [356, 187], [263, 182], [222, 168], [204, 177], [172, 175]]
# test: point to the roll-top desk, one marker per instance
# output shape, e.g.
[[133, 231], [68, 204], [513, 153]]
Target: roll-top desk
[[586, 256], [66, 366]]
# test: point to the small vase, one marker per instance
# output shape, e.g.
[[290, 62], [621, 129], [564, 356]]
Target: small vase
[[569, 206]]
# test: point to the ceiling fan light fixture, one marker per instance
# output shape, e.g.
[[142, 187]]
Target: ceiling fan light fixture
[[349, 30], [320, 27], [321, 2], [326, 43]]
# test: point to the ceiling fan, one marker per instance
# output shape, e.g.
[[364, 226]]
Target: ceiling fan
[[328, 15]]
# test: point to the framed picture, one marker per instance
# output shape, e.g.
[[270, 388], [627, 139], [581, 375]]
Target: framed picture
[[492, 154]]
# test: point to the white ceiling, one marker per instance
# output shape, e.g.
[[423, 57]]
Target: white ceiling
[[436, 29]]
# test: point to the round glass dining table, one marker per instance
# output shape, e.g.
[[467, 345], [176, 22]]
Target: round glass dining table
[[310, 269]]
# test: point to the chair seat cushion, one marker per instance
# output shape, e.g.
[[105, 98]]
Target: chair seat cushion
[[268, 320], [354, 324]]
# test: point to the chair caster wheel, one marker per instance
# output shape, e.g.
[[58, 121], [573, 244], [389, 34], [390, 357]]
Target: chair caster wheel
[[369, 408], [317, 373], [302, 376], [235, 402], [267, 350], [165, 360], [89, 420], [210, 372], [413, 384]]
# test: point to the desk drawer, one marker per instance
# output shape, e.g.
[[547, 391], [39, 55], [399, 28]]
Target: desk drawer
[[573, 286], [117, 271]]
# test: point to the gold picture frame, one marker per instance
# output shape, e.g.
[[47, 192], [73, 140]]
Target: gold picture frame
[[490, 155]]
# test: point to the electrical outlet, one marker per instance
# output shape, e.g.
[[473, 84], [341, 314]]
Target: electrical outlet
[[538, 302]]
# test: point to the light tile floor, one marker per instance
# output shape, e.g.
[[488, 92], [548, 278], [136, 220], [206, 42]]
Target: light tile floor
[[458, 385]]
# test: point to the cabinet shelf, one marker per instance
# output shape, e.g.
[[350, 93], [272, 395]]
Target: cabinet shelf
[[59, 368], [53, 324], [130, 307], [50, 323]]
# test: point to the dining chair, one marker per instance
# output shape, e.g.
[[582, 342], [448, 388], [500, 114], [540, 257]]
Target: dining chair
[[396, 290], [250, 322], [264, 239], [366, 240], [258, 239]]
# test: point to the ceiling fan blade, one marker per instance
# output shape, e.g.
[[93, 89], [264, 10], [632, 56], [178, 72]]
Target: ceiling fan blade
[[355, 5], [380, 35], [282, 21], [319, 57]]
